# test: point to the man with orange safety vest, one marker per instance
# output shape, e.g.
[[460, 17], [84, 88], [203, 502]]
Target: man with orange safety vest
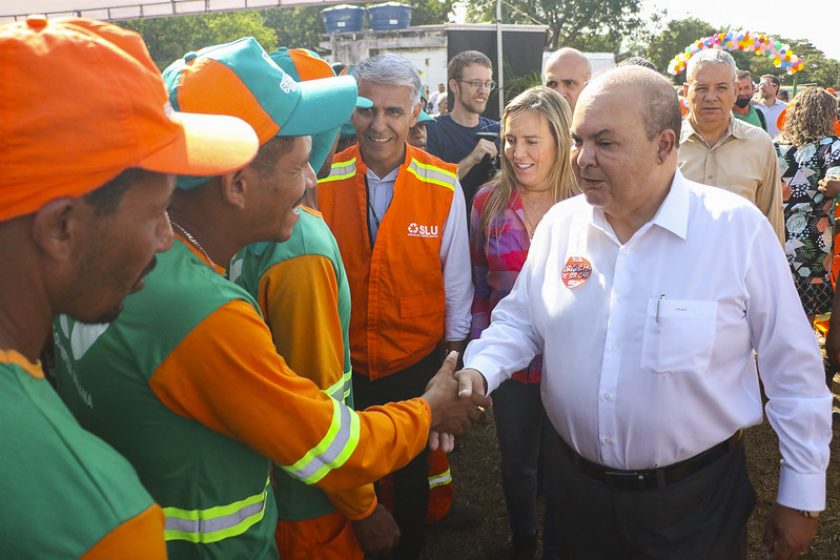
[[399, 218]]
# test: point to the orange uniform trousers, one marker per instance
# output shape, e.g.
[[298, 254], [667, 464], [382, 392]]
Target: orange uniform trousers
[[329, 537]]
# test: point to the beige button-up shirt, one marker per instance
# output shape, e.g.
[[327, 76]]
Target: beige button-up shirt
[[744, 161]]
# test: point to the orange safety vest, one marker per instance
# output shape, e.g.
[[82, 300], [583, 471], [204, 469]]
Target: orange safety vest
[[396, 285]]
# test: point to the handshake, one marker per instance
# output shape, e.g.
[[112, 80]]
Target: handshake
[[456, 400]]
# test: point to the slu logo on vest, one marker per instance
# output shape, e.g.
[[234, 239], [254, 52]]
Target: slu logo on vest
[[415, 230]]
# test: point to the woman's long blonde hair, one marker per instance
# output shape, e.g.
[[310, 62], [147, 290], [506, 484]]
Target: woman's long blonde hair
[[809, 117], [555, 110]]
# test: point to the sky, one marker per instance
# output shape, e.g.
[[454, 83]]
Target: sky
[[814, 20]]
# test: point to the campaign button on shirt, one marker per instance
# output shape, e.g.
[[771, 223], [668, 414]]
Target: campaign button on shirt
[[576, 271]]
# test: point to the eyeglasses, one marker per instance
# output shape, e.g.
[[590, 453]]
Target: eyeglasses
[[478, 84]]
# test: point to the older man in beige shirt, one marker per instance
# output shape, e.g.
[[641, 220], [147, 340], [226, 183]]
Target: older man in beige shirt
[[719, 150]]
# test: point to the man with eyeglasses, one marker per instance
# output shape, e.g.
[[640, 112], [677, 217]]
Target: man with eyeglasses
[[771, 106], [454, 137]]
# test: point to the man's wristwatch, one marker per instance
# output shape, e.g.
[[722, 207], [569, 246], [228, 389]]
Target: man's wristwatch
[[809, 514]]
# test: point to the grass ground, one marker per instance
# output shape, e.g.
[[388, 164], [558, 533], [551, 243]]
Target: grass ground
[[475, 469]]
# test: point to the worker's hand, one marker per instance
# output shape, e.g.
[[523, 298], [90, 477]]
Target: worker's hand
[[788, 533], [470, 383], [452, 413], [443, 441], [378, 533]]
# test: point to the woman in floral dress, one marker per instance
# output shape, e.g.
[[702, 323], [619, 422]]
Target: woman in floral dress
[[809, 155]]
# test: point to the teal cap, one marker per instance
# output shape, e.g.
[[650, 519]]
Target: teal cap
[[303, 65], [241, 79]]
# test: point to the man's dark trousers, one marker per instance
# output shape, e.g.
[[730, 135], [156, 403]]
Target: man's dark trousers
[[411, 483], [702, 516]]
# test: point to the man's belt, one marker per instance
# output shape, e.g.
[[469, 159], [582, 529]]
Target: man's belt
[[649, 479]]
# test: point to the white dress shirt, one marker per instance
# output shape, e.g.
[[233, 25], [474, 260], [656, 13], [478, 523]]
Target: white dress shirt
[[771, 115], [650, 361], [454, 251]]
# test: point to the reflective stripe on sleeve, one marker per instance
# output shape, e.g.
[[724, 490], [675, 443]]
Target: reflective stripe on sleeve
[[340, 390], [441, 479], [216, 523], [340, 170], [432, 174], [332, 451]]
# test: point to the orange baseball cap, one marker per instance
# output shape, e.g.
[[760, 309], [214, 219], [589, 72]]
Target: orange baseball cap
[[81, 101], [303, 65]]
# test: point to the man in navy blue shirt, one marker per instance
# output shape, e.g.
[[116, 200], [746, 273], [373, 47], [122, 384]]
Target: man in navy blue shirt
[[453, 137]]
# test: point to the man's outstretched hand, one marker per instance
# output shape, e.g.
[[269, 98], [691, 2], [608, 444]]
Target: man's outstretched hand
[[454, 408], [471, 382]]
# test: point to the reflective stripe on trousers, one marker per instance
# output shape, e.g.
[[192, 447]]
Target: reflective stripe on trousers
[[441, 479]]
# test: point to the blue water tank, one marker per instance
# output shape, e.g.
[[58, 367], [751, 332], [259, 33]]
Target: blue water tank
[[344, 17], [389, 15]]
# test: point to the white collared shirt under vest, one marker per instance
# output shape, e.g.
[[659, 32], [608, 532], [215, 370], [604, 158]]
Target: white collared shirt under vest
[[454, 251]]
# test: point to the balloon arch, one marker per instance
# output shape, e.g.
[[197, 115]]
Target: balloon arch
[[759, 44]]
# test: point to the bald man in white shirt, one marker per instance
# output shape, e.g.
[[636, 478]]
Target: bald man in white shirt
[[647, 296]]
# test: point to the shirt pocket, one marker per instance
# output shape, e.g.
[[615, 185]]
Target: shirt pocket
[[679, 335]]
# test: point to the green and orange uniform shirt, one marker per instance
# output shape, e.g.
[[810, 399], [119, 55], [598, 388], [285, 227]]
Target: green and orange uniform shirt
[[302, 290], [188, 385], [77, 497]]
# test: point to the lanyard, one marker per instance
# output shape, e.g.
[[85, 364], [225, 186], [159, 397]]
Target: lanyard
[[371, 213]]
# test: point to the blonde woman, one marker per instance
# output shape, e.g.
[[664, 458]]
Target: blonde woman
[[535, 174]]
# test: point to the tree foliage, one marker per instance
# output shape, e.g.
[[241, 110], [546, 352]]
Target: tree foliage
[[590, 25], [663, 46], [168, 39], [818, 69], [295, 27], [429, 12], [584, 24]]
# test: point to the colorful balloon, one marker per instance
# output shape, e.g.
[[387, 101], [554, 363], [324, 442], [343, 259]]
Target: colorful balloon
[[759, 43]]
